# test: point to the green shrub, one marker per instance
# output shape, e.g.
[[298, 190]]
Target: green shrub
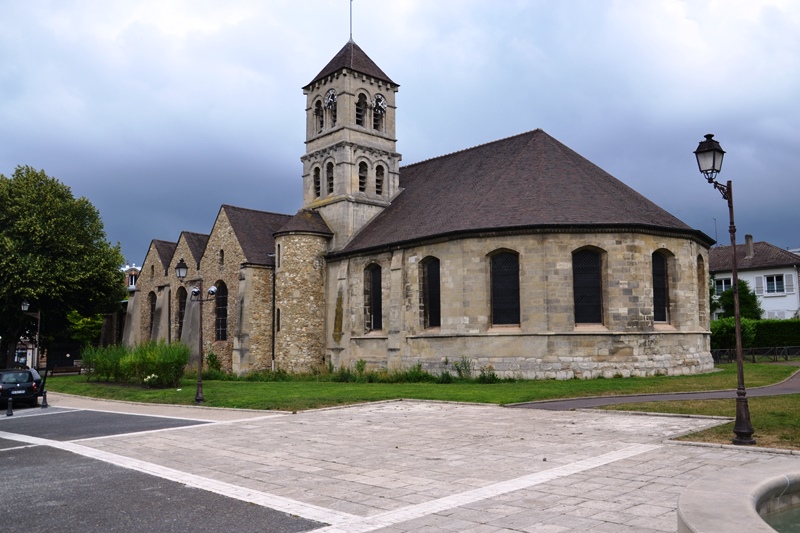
[[103, 362], [488, 375], [463, 368], [723, 333], [773, 332], [153, 364], [213, 361]]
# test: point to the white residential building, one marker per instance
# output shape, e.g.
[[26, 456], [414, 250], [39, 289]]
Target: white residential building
[[771, 271]]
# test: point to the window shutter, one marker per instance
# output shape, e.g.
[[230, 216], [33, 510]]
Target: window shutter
[[759, 285], [788, 282]]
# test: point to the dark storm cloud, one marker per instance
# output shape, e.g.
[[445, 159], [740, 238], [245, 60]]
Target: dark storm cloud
[[159, 112]]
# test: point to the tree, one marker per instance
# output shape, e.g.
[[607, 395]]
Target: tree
[[748, 302], [53, 253]]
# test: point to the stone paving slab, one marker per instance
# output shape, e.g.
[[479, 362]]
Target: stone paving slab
[[433, 466]]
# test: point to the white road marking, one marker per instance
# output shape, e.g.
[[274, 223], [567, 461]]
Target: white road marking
[[341, 522]]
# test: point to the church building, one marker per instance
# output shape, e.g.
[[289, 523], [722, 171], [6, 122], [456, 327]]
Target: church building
[[518, 254]]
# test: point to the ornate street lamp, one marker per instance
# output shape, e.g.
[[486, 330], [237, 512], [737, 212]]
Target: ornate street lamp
[[181, 270], [37, 315], [709, 159]]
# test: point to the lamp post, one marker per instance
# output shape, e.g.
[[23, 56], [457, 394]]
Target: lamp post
[[709, 159], [181, 270], [37, 315]]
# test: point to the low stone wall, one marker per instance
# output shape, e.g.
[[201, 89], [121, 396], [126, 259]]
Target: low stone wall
[[548, 356]]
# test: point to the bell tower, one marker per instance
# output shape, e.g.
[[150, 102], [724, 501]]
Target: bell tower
[[351, 166]]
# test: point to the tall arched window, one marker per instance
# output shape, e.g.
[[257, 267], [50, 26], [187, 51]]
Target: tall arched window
[[505, 288], [362, 177], [317, 184], [430, 295], [181, 309], [152, 301], [221, 312], [379, 175], [221, 257], [587, 287], [660, 288], [319, 116], [329, 176], [373, 301], [361, 109]]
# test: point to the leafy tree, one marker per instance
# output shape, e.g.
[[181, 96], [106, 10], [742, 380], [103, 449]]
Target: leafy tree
[[85, 329], [748, 302], [53, 253]]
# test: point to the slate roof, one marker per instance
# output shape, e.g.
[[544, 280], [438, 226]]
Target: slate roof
[[529, 181], [165, 251], [197, 244], [254, 230], [352, 57], [765, 255], [306, 221]]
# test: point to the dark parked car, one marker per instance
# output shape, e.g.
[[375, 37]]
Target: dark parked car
[[23, 385]]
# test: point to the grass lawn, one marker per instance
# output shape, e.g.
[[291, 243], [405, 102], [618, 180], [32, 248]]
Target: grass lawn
[[777, 420]]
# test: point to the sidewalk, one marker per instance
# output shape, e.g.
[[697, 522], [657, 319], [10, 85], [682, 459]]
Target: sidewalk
[[404, 466]]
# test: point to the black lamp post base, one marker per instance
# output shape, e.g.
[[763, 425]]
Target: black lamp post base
[[742, 428]]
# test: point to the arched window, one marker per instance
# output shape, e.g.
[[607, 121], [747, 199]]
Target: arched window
[[221, 312], [221, 257], [152, 301], [152, 271], [317, 184], [378, 111], [329, 176], [181, 310], [660, 288], [505, 288], [587, 287], [361, 109], [373, 302], [319, 116], [379, 175], [362, 177], [430, 296]]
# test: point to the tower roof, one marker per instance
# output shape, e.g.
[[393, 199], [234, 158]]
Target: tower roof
[[529, 182], [352, 57]]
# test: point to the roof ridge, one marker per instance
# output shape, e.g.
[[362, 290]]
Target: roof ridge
[[449, 154], [253, 210]]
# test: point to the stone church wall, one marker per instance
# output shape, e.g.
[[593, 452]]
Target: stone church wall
[[547, 343], [300, 282], [252, 347]]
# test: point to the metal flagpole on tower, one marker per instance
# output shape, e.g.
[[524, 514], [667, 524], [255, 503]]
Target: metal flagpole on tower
[[351, 20]]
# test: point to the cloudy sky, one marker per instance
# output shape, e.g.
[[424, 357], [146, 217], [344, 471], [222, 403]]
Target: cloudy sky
[[160, 111]]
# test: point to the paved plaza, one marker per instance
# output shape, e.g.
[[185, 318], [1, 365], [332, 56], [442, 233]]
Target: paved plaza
[[424, 466]]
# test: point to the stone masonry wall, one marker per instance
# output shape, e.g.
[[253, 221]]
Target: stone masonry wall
[[252, 348], [547, 343], [300, 280]]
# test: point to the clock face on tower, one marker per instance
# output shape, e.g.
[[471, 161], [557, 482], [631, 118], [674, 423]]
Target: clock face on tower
[[379, 104], [330, 99]]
